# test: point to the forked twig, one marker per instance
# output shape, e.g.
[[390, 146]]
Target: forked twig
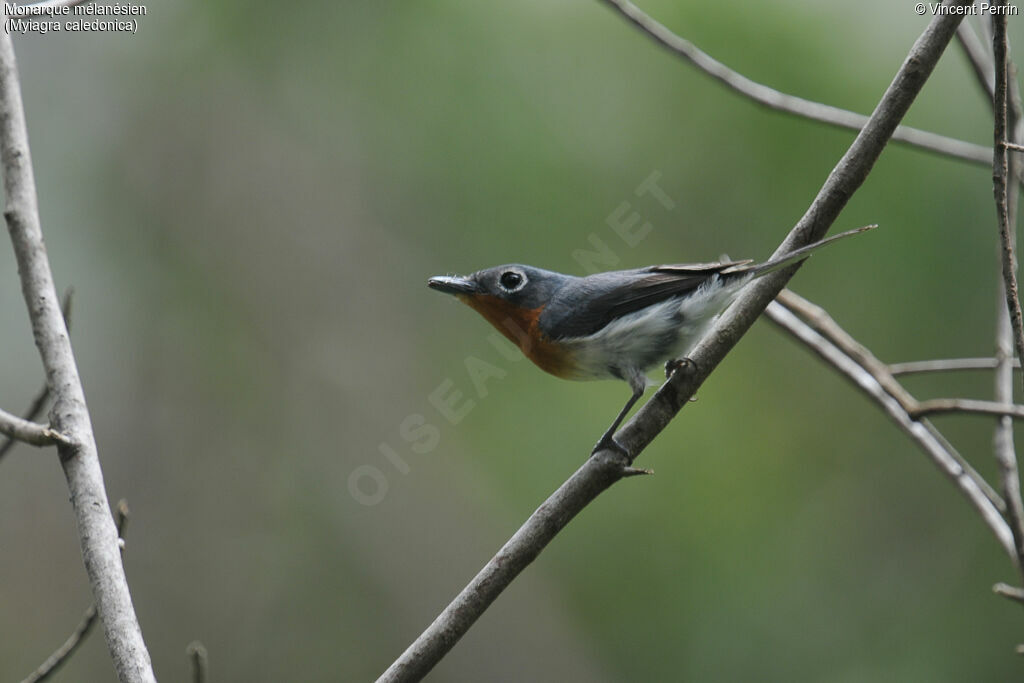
[[791, 104], [970, 483]]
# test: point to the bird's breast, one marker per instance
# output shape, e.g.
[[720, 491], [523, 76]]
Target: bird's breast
[[520, 326]]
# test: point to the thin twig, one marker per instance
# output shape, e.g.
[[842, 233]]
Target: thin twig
[[197, 660], [39, 402], [30, 415], [1003, 446], [64, 652], [70, 415], [15, 428], [978, 55], [941, 406], [970, 484], [779, 101], [1000, 171], [1013, 146], [1008, 591], [981, 58], [947, 365], [604, 468], [1011, 323], [821, 323]]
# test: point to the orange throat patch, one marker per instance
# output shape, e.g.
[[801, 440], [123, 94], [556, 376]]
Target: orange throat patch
[[519, 325]]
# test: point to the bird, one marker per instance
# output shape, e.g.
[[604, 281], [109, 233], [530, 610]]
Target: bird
[[611, 325]]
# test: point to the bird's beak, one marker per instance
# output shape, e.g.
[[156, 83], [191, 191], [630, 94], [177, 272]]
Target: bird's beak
[[453, 285]]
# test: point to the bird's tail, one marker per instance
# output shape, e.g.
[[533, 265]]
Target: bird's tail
[[774, 264]]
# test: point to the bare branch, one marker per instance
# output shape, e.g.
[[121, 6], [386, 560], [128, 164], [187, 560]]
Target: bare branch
[[604, 468], [15, 428], [1003, 443], [947, 365], [30, 415], [779, 101], [64, 652], [1010, 324], [941, 406], [1008, 591], [39, 402], [1000, 172], [978, 55], [69, 415], [970, 484], [821, 322]]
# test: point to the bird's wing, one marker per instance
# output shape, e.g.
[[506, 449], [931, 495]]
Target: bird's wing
[[597, 300], [700, 268]]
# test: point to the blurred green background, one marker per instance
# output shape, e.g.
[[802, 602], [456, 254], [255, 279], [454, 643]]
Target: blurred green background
[[248, 199]]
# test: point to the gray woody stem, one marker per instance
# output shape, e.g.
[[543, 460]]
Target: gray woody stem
[[69, 415], [20, 429], [1010, 324], [1000, 171], [604, 468], [791, 104], [823, 336]]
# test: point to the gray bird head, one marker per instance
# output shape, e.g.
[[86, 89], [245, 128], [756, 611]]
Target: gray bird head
[[515, 285]]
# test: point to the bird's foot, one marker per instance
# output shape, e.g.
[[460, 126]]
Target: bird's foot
[[608, 442], [676, 364]]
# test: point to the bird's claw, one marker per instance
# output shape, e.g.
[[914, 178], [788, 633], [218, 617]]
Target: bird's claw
[[676, 364]]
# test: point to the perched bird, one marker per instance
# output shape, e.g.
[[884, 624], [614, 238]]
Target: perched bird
[[613, 325]]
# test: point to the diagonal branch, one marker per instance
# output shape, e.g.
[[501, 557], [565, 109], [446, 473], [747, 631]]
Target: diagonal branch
[[604, 468], [821, 323], [69, 415], [791, 104], [970, 484], [977, 55], [36, 407]]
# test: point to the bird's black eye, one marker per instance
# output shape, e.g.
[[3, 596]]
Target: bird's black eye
[[511, 280]]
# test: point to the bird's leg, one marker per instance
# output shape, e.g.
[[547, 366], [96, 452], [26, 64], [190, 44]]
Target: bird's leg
[[608, 439]]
